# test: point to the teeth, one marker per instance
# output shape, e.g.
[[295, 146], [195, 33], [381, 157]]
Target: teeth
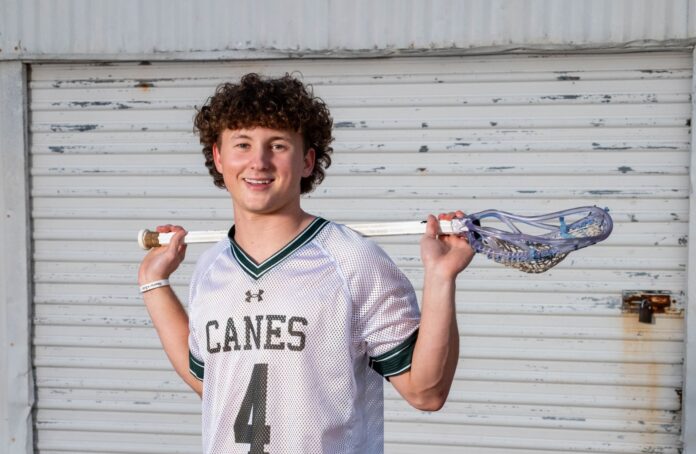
[[252, 181]]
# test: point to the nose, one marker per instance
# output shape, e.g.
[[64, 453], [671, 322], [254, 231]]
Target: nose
[[261, 157]]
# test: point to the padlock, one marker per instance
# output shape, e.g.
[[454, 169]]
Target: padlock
[[645, 313]]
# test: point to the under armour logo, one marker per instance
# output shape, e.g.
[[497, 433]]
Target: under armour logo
[[250, 295]]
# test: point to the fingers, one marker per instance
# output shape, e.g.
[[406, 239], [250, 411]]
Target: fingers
[[448, 217], [432, 228], [451, 215], [176, 242], [167, 228]]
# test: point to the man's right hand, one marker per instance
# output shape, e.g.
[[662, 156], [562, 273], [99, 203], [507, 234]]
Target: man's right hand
[[162, 261]]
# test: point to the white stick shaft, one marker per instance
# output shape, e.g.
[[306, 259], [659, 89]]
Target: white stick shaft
[[365, 229], [396, 228]]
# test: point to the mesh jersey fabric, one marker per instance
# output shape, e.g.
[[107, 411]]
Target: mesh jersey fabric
[[292, 351]]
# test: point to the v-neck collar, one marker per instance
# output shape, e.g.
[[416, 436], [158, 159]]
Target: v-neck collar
[[257, 270]]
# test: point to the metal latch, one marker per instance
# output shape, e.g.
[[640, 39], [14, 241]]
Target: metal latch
[[645, 303]]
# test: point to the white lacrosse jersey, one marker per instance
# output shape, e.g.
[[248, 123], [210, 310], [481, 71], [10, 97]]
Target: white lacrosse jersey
[[292, 351]]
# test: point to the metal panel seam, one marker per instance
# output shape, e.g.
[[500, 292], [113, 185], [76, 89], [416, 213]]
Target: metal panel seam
[[641, 45], [17, 395], [689, 390]]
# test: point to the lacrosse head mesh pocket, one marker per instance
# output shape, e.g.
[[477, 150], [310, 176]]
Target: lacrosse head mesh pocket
[[534, 244]]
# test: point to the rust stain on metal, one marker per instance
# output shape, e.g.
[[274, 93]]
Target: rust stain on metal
[[144, 85]]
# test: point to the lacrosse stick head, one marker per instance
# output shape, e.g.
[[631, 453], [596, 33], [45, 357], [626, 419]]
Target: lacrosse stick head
[[534, 244]]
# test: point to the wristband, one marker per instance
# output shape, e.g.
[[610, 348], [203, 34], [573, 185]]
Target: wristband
[[154, 285]]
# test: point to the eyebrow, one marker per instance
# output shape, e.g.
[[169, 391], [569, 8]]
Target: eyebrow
[[245, 136]]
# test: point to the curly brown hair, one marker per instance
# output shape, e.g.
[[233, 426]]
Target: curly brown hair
[[282, 103]]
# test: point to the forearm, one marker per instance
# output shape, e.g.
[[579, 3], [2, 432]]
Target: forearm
[[436, 352], [171, 322]]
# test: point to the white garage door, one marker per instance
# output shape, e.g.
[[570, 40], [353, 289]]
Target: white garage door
[[548, 362]]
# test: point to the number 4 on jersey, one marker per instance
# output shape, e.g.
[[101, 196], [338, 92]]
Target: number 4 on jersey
[[257, 433]]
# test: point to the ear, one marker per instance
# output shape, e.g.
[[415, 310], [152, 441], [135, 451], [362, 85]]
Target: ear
[[216, 157], [309, 159]]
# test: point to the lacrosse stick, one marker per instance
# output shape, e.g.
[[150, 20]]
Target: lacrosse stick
[[549, 238]]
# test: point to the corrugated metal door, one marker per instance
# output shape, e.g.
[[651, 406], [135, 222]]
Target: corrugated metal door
[[548, 362]]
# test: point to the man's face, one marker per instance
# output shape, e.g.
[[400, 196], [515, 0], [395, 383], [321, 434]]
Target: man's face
[[262, 169]]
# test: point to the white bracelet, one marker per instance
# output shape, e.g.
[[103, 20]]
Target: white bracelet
[[154, 285]]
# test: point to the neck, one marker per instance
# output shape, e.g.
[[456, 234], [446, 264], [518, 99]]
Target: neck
[[261, 236]]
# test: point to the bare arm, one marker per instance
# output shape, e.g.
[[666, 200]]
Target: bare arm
[[428, 382], [167, 314]]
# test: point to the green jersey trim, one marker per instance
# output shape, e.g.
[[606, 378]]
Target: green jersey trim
[[257, 270], [196, 367], [397, 360]]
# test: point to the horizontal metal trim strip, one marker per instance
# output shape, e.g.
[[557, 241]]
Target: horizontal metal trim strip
[[550, 422], [76, 188], [477, 280], [465, 119], [595, 402], [555, 151], [446, 191], [435, 65], [473, 328], [460, 121], [126, 426], [379, 83], [662, 262], [474, 352], [606, 308], [446, 142], [86, 273], [136, 156], [111, 400], [503, 376], [163, 215], [120, 447], [98, 101], [428, 441]]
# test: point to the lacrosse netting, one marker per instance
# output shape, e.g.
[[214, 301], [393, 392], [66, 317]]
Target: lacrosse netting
[[531, 251]]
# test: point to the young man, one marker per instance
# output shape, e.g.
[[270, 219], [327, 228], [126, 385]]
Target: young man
[[294, 320]]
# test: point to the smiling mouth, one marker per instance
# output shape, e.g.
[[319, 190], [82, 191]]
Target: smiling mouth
[[257, 181]]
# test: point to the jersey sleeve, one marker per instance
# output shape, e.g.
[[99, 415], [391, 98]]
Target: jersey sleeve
[[385, 311], [196, 364]]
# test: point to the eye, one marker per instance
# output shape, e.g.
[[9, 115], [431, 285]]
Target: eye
[[242, 145], [278, 147]]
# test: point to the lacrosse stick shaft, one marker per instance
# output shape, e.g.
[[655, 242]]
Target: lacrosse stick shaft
[[148, 239]]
